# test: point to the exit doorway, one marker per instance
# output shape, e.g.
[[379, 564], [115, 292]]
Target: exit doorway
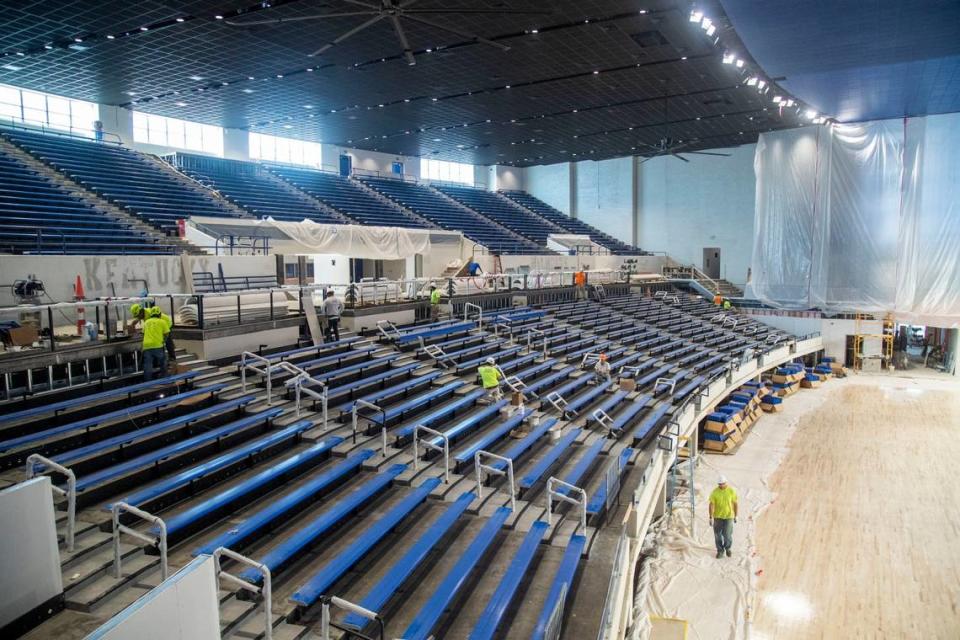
[[711, 262]]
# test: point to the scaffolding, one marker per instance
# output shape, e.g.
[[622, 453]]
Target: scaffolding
[[869, 328], [681, 493]]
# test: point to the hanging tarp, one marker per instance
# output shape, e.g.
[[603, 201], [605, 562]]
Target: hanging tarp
[[860, 217]]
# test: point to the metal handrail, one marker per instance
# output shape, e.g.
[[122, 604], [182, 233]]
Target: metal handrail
[[346, 605], [480, 468], [70, 492], [354, 417], [160, 541], [553, 494], [445, 449], [265, 591]]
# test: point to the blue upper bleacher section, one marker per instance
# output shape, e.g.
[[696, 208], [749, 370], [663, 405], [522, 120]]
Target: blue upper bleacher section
[[571, 225], [38, 216], [248, 186], [126, 178], [429, 204], [345, 196], [496, 208]]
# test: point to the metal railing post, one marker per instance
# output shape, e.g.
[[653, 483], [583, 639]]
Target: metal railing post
[[266, 591], [553, 494], [160, 541], [480, 468], [357, 404], [70, 493], [345, 605], [445, 449]]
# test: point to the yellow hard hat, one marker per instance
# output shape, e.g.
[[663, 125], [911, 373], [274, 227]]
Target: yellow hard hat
[[135, 309]]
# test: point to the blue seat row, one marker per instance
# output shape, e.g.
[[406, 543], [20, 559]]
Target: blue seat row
[[388, 394], [464, 457], [401, 410], [308, 593], [345, 196], [239, 536], [432, 418], [562, 584], [525, 444], [429, 204], [140, 185], [536, 472], [219, 465], [579, 470], [467, 425], [65, 436], [598, 500], [431, 611], [583, 400], [127, 444], [497, 606], [400, 571], [503, 211], [222, 502], [474, 363], [546, 382], [434, 331], [286, 552], [349, 390], [645, 429], [111, 394], [172, 456], [571, 225]]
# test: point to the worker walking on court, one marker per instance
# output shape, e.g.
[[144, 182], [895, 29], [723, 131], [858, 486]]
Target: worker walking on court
[[155, 331], [602, 368], [434, 303], [490, 377], [332, 308], [723, 514], [580, 281]]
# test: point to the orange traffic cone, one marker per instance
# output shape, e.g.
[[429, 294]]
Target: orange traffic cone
[[78, 297]]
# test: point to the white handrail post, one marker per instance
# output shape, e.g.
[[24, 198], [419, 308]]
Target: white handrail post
[[70, 493], [354, 419], [345, 605], [480, 468], [429, 445], [161, 540], [552, 494], [266, 591]]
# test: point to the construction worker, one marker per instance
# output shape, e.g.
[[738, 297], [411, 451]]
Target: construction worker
[[602, 368], [490, 377], [138, 312], [434, 303], [155, 331], [332, 308], [580, 281], [723, 514], [718, 299], [727, 305], [473, 268]]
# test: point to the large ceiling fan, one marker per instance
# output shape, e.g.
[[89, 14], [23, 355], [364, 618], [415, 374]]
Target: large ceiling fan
[[396, 11], [667, 146]]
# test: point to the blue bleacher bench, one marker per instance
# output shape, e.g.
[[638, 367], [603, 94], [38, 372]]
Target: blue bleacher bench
[[561, 585]]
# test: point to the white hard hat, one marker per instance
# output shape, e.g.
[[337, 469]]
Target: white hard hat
[[491, 361], [722, 480]]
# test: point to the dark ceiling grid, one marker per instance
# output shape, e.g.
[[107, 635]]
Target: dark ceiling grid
[[576, 38]]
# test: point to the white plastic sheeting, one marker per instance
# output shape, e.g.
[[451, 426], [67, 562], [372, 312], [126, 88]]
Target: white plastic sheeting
[[356, 241], [861, 217]]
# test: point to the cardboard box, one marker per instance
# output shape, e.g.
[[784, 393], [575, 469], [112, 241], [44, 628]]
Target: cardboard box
[[772, 408], [811, 384], [516, 398], [718, 446], [23, 336], [628, 384]]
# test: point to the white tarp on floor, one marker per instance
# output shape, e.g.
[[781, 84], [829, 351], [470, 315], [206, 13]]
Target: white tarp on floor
[[861, 217]]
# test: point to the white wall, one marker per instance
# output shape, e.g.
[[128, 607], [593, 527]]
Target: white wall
[[510, 178], [29, 559], [551, 183], [605, 196], [236, 144], [707, 202], [369, 160], [182, 607]]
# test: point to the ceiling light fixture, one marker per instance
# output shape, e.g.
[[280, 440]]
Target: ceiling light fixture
[[179, 19], [728, 58], [696, 16], [740, 63], [109, 37]]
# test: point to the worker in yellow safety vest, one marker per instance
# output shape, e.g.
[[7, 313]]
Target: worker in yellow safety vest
[[139, 315], [434, 303], [723, 509], [490, 377], [727, 305], [155, 332]]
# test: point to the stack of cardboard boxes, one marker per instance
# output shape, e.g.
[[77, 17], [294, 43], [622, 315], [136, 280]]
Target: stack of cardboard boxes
[[726, 427], [786, 379], [836, 369]]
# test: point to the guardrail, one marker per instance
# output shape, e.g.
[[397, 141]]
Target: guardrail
[[70, 493], [161, 540]]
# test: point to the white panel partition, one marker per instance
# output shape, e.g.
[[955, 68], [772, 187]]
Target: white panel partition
[[29, 559], [182, 607]]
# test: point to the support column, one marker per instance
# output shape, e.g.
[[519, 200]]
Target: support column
[[637, 193], [118, 121], [236, 144], [572, 190]]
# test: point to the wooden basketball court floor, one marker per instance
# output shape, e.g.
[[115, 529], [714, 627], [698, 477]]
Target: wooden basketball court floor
[[854, 534]]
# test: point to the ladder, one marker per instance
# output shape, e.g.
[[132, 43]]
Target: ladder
[[497, 264], [681, 494]]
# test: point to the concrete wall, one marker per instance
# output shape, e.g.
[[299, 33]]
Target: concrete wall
[[605, 196], [120, 275], [369, 160], [551, 183], [707, 202], [510, 178]]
